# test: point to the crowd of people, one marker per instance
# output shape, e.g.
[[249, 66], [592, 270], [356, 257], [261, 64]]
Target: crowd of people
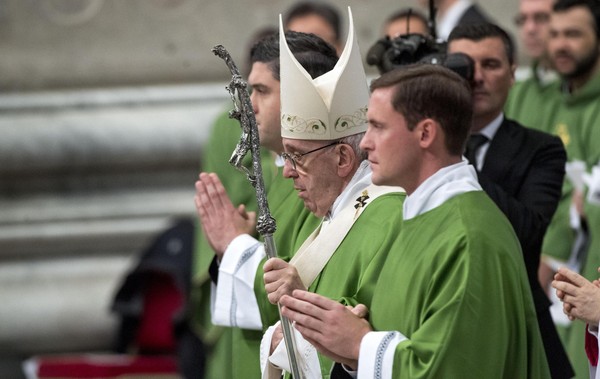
[[424, 219]]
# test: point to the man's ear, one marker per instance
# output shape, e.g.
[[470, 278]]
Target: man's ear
[[346, 159], [428, 130]]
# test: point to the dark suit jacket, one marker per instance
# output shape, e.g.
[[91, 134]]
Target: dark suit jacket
[[523, 172]]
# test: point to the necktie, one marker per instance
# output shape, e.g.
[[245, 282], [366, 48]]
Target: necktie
[[473, 144]]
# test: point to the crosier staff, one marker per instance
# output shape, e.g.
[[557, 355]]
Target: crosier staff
[[249, 141]]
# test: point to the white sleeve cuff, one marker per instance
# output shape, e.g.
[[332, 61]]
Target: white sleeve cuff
[[267, 369], [376, 356], [233, 301], [307, 358]]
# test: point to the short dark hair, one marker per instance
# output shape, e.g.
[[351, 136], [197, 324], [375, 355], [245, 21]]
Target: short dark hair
[[592, 5], [408, 13], [321, 9], [315, 55], [431, 91], [477, 32]]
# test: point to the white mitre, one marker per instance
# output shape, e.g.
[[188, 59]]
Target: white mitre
[[329, 107]]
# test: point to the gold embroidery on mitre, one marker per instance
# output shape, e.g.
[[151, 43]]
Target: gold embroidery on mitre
[[345, 122], [297, 124], [562, 131]]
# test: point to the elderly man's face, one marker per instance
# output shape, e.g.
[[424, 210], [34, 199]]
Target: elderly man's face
[[315, 177]]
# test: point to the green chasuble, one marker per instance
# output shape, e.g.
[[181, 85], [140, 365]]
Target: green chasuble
[[233, 352], [455, 285], [358, 260], [580, 114], [533, 102], [571, 125], [574, 120]]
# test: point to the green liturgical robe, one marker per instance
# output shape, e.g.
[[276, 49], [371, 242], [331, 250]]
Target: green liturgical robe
[[354, 262], [533, 102], [361, 255], [580, 113], [359, 259], [454, 296]]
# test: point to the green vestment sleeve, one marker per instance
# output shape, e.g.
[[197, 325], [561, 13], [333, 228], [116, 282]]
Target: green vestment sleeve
[[584, 108]]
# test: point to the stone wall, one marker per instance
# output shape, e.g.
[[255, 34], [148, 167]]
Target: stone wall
[[83, 43], [87, 179]]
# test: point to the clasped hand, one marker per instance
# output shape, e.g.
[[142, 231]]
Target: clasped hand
[[334, 329], [281, 278], [580, 297], [221, 221]]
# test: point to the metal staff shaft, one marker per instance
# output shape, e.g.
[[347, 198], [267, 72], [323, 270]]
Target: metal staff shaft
[[249, 141]]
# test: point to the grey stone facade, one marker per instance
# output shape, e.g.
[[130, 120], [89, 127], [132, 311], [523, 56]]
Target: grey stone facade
[[87, 178]]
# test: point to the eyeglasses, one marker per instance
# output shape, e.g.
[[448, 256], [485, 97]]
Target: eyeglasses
[[537, 18], [295, 158]]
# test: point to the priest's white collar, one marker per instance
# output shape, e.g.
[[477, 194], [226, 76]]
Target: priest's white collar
[[437, 189]]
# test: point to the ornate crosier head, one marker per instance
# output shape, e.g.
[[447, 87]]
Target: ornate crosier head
[[329, 107]]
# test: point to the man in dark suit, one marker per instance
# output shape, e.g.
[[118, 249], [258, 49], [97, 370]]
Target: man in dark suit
[[521, 169]]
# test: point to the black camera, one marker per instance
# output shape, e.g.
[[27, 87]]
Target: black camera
[[388, 54]]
